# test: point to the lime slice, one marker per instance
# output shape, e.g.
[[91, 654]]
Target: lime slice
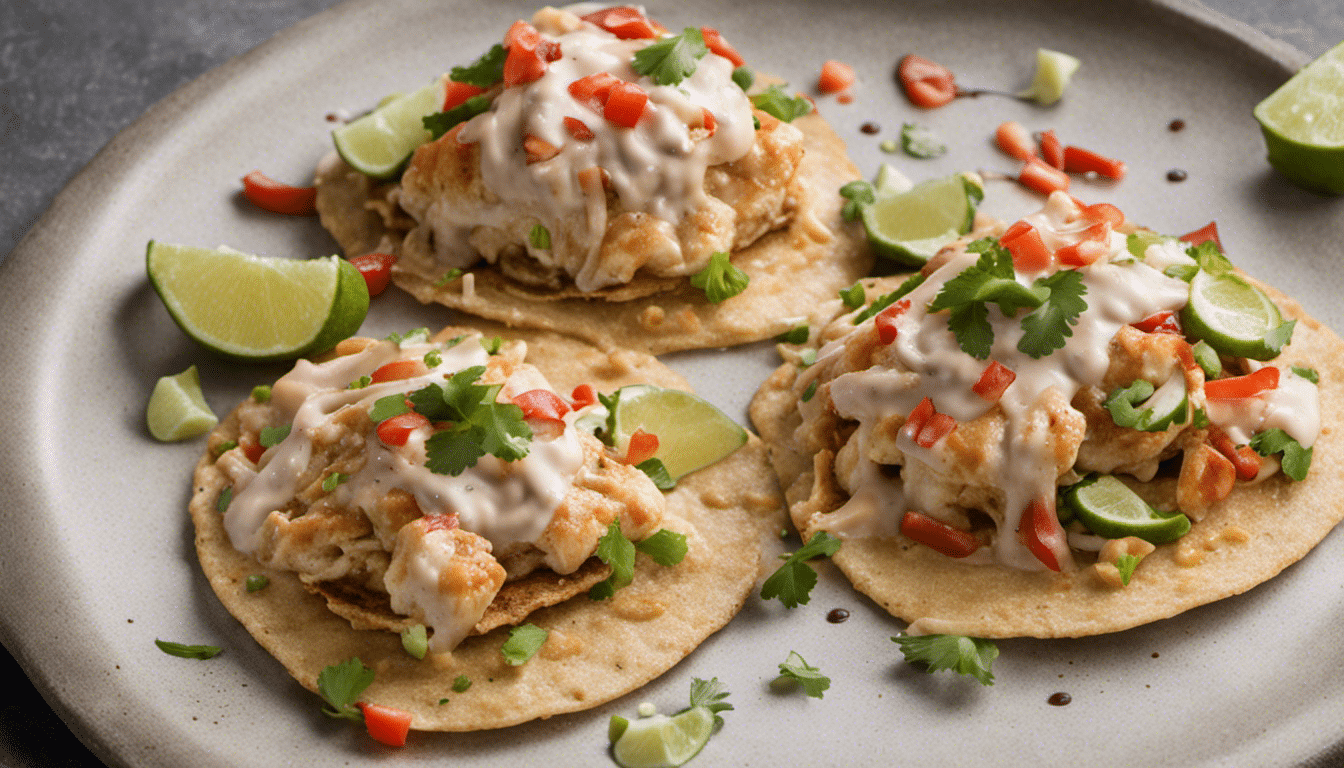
[[177, 408], [1303, 123], [664, 742], [378, 143], [909, 227], [1232, 316], [257, 307], [1111, 510], [691, 432]]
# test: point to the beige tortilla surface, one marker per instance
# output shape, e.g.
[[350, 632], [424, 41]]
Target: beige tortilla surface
[[596, 651], [792, 271], [1284, 520]]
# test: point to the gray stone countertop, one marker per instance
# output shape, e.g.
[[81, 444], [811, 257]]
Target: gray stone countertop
[[75, 72]]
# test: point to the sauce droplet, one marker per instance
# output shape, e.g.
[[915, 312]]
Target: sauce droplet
[[1059, 699], [870, 127], [837, 615], [1176, 174], [1176, 125]]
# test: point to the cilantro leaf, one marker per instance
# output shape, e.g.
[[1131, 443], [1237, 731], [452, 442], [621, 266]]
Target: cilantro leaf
[[857, 194], [852, 297], [523, 643], [744, 77], [1296, 461], [921, 142], [1309, 374], [657, 472], [415, 640], [340, 686], [257, 582], [539, 237], [501, 430], [720, 280], [433, 358], [409, 337], [273, 435], [990, 280], [262, 393], [449, 277], [886, 300], [1184, 272], [1209, 257], [795, 668], [792, 583], [461, 683], [492, 345], [440, 123], [664, 547], [618, 552], [1048, 326], [777, 102], [479, 425], [970, 324], [485, 71], [201, 652], [361, 382], [967, 655], [710, 695], [1126, 565], [671, 59]]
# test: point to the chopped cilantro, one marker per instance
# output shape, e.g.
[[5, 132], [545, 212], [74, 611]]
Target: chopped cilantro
[[415, 640], [385, 408], [262, 393], [755, 123], [340, 686], [857, 194], [710, 695], [1296, 460], [1210, 258], [225, 496], [810, 392], [273, 435], [657, 472], [257, 582], [440, 123], [853, 296], [618, 553], [539, 237], [1126, 565], [448, 277], [967, 655], [361, 382], [796, 335], [433, 358], [1277, 338], [1200, 419], [1207, 359], [201, 652], [461, 683], [492, 345], [1184, 272], [744, 77], [410, 337], [1309, 374], [330, 482], [671, 59], [807, 357], [523, 643], [479, 424], [777, 102], [886, 300], [485, 71], [443, 701], [222, 448], [797, 670], [794, 580], [921, 142], [720, 280], [664, 547]]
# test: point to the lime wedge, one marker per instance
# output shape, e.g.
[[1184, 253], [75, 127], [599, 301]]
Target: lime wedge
[[691, 432], [1303, 123], [257, 307], [660, 741], [1232, 316], [1054, 70], [909, 227], [378, 143], [1111, 510], [177, 408]]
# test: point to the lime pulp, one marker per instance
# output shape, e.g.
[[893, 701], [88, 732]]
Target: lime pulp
[[911, 226], [1232, 316], [378, 143], [691, 432], [1111, 510], [661, 741], [1303, 125], [177, 409]]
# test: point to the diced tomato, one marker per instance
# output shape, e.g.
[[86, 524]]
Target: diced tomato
[[625, 104], [623, 21], [994, 381], [398, 370], [1052, 151], [717, 45], [387, 725], [926, 84], [835, 77], [578, 129], [538, 149], [1102, 212], [592, 91], [583, 396], [918, 417], [397, 430], [885, 322], [1036, 175], [1244, 458], [251, 449], [1042, 533], [1165, 321], [642, 447], [376, 269], [1079, 160], [938, 426], [1014, 139], [270, 195], [1238, 387], [1092, 246], [708, 122], [1204, 234], [439, 522], [542, 405], [938, 535], [455, 93], [526, 59], [1024, 242]]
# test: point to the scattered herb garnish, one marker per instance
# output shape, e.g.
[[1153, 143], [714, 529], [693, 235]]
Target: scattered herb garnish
[[857, 194], [440, 123], [485, 71], [792, 583], [479, 425], [807, 357], [409, 337], [852, 297], [657, 472], [449, 277], [886, 300], [415, 640], [1296, 460], [710, 695], [340, 686], [262, 393], [797, 334], [433, 358], [330, 482], [921, 142], [796, 669], [1309, 374], [201, 652], [966, 655], [257, 582], [273, 435], [720, 280], [1210, 258], [461, 683], [665, 547], [225, 496], [671, 59], [1126, 564], [227, 445], [539, 237], [810, 392], [1184, 272], [777, 102], [523, 643], [744, 77], [386, 407], [492, 345], [361, 382], [618, 553]]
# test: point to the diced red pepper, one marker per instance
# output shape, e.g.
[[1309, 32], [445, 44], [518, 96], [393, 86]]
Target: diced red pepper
[[708, 122], [528, 54], [397, 430], [387, 725], [398, 370], [926, 83], [625, 104], [270, 195], [542, 405], [583, 396], [1014, 139], [1052, 151], [1079, 160], [1092, 246], [455, 93], [623, 21], [592, 91], [1204, 234], [1244, 458], [938, 535], [538, 149], [1036, 175], [918, 417], [1102, 212], [642, 447], [994, 381], [885, 322], [1042, 533], [446, 521], [835, 77], [251, 449], [717, 45], [376, 269], [1165, 321], [1024, 242], [1238, 387], [578, 129], [938, 426]]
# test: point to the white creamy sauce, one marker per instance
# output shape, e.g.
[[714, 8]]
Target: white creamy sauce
[[1294, 406]]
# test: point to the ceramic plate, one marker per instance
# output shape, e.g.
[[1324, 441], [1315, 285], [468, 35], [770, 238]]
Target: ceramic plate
[[96, 548]]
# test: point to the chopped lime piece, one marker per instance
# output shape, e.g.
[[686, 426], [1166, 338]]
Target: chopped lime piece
[[1303, 124], [1111, 510], [257, 307], [1233, 316], [378, 143], [177, 408], [1053, 72], [1168, 405], [911, 226], [890, 181], [663, 742], [691, 432]]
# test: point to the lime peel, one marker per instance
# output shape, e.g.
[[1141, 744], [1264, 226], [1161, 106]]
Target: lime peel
[[177, 409]]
